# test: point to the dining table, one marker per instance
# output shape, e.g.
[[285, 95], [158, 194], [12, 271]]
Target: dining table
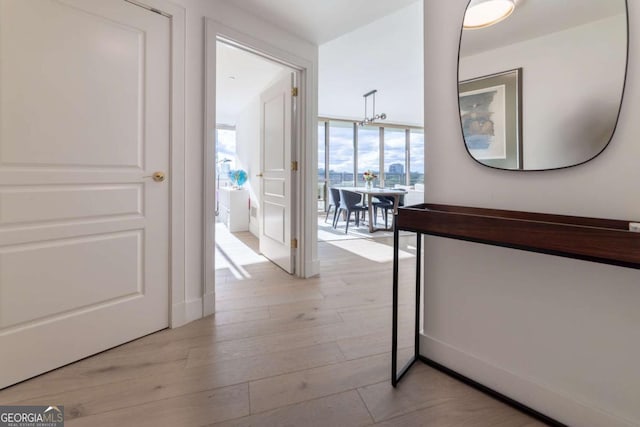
[[370, 193]]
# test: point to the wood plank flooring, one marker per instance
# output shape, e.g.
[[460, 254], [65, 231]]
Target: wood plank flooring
[[280, 351]]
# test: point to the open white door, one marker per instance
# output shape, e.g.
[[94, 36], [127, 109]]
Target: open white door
[[276, 189], [84, 123]]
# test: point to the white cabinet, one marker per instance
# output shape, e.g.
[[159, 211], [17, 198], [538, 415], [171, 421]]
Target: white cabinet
[[234, 208]]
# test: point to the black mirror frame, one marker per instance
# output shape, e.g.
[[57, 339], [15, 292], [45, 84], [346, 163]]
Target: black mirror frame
[[520, 157]]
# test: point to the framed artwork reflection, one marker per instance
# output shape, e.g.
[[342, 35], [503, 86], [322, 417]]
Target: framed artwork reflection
[[491, 118]]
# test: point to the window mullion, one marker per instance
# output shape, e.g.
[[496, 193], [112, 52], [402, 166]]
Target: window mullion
[[381, 151], [407, 157], [355, 154]]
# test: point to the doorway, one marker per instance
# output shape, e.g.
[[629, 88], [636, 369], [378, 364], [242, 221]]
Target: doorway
[[255, 176], [303, 149]]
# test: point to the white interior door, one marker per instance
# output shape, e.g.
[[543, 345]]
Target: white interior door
[[84, 117], [276, 189]]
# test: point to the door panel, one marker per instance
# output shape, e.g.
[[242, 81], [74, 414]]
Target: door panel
[[24, 299], [276, 188], [275, 117], [84, 118], [27, 204], [93, 77], [274, 218]]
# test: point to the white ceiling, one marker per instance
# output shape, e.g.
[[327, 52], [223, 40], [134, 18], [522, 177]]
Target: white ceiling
[[386, 55], [319, 21], [241, 77], [377, 44]]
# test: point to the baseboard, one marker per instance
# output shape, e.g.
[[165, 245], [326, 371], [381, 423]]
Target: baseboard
[[209, 305], [541, 398]]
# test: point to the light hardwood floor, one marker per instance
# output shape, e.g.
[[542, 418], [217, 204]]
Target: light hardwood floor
[[280, 351]]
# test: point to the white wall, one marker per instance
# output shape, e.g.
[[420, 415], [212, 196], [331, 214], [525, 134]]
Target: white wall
[[248, 154], [583, 68], [384, 55], [559, 335], [250, 27]]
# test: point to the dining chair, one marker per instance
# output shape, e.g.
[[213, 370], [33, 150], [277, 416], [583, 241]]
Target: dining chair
[[334, 201], [350, 202], [385, 203]]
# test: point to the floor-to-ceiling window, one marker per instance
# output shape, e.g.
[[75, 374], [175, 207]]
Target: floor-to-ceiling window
[[322, 169], [394, 153], [225, 153], [395, 149], [341, 154], [416, 156], [368, 153]]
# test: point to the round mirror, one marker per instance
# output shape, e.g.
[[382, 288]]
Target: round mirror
[[541, 81]]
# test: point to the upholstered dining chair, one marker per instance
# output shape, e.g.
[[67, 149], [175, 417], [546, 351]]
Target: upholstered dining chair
[[350, 202], [334, 201], [385, 203]]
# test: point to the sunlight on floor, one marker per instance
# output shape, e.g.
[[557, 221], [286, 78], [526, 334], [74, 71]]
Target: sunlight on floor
[[370, 249], [233, 254], [362, 243], [326, 232]]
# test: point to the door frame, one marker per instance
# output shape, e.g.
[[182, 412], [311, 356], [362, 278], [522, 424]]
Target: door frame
[[304, 151], [179, 313]]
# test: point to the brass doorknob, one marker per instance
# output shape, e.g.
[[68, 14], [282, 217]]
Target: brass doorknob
[[259, 175], [157, 176]]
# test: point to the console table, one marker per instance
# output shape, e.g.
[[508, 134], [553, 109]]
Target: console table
[[607, 241]]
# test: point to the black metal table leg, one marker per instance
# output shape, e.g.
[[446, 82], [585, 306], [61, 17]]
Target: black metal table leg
[[397, 376], [418, 277], [394, 315]]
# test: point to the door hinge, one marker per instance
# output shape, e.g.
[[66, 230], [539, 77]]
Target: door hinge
[[294, 243], [294, 165], [294, 91]]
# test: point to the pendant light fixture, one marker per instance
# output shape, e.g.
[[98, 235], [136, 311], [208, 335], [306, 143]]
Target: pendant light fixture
[[484, 13], [374, 117]]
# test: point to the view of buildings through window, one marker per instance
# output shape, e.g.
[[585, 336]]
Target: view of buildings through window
[[341, 153], [368, 153], [416, 156], [397, 149], [394, 153]]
